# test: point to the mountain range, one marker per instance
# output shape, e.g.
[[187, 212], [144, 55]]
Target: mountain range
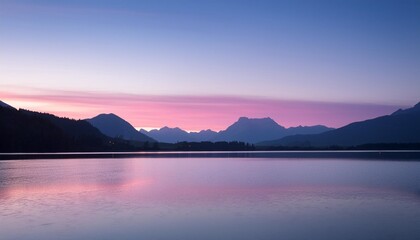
[[23, 130], [249, 130], [174, 135], [253, 130], [402, 126]]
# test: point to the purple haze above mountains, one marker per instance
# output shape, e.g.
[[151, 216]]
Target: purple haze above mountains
[[203, 64]]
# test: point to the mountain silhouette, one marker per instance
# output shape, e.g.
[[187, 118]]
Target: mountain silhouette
[[26, 131], [249, 130], [116, 127], [168, 135], [402, 126], [413, 110], [203, 135], [5, 105], [308, 130], [174, 135], [253, 130]]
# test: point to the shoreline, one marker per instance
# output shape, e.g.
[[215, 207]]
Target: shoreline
[[306, 154]]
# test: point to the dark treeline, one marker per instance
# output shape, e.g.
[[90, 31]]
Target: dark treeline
[[241, 146], [389, 146], [27, 131], [196, 146], [214, 146], [373, 146]]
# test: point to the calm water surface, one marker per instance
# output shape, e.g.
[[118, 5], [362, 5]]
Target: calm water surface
[[209, 198]]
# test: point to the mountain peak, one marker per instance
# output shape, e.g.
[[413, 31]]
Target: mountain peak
[[245, 122], [108, 115], [166, 128], [176, 134], [251, 130], [248, 118], [206, 131], [114, 126], [266, 120]]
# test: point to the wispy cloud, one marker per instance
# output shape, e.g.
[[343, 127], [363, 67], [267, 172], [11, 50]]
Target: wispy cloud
[[191, 112]]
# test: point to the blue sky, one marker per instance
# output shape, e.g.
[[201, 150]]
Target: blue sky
[[352, 52]]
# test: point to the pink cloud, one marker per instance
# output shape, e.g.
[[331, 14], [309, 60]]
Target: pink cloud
[[192, 112]]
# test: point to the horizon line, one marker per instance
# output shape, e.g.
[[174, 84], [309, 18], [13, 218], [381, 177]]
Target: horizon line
[[194, 112]]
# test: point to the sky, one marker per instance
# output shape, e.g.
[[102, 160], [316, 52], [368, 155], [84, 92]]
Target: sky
[[203, 64]]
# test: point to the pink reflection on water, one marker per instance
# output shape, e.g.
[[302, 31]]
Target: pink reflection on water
[[72, 188]]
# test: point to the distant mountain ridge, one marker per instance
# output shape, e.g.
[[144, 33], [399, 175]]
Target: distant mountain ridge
[[253, 130], [250, 130], [308, 129], [116, 127], [402, 126], [168, 135], [174, 135], [204, 135]]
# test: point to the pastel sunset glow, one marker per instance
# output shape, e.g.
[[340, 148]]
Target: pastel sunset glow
[[203, 64], [194, 112]]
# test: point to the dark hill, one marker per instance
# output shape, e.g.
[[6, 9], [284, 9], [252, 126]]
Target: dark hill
[[116, 127], [403, 126], [27, 131]]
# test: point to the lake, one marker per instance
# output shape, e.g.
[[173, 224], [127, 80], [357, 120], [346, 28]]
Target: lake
[[188, 196]]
